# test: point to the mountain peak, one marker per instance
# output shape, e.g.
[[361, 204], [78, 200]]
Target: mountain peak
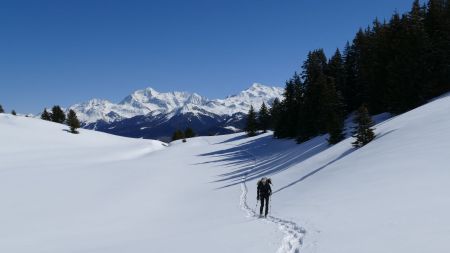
[[148, 100]]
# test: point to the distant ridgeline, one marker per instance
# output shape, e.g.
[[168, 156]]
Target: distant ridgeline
[[391, 67], [151, 114]]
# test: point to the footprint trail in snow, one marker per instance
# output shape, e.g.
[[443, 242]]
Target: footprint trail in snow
[[293, 234]]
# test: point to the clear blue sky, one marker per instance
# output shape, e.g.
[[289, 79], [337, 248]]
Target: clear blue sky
[[64, 52]]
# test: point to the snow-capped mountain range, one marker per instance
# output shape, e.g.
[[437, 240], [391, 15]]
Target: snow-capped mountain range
[[148, 113], [150, 101]]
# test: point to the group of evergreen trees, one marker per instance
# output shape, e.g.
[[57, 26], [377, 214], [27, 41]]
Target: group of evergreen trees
[[258, 121], [392, 66], [13, 112], [178, 134], [57, 115]]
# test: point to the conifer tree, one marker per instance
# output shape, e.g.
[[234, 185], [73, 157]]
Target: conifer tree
[[72, 121], [264, 118], [1, 109], [58, 115], [363, 131], [177, 135], [46, 115], [252, 123], [189, 133], [275, 117], [336, 70], [13, 112]]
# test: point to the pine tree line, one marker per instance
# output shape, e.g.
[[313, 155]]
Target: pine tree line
[[259, 121], [57, 115], [392, 66]]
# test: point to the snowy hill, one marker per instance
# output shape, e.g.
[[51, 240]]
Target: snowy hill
[[95, 192]]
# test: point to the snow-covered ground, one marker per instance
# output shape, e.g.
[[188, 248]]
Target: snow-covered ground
[[95, 192]]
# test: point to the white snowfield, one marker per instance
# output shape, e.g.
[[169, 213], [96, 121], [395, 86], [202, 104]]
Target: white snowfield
[[95, 192]]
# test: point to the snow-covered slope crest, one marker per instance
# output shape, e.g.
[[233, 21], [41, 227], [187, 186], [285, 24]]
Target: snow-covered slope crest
[[150, 101]]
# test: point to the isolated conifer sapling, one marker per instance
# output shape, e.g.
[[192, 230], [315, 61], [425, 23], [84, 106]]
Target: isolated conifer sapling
[[363, 131], [72, 121]]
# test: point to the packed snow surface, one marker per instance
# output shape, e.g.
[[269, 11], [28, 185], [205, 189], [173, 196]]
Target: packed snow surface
[[95, 192]]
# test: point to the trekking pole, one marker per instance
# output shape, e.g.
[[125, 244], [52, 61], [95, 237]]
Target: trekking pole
[[256, 206], [270, 204]]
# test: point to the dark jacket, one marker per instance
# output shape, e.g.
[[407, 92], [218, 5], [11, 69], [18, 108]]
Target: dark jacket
[[264, 190]]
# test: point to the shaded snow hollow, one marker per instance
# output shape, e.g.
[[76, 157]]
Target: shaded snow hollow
[[95, 192]]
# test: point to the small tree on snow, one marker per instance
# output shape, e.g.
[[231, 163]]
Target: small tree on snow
[[363, 131], [189, 133], [1, 109], [72, 121], [177, 135], [46, 115], [13, 112], [252, 123], [58, 115]]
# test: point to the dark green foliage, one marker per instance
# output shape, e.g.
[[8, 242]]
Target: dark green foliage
[[392, 66], [286, 115], [46, 115], [13, 112], [189, 133], [252, 123], [177, 135], [363, 131], [275, 116], [58, 115], [264, 118], [72, 121], [1, 109]]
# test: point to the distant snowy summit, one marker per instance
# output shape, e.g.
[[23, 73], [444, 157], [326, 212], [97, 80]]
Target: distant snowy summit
[[151, 102], [151, 114]]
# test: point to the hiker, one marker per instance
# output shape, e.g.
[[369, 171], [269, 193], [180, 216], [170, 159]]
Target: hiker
[[264, 191]]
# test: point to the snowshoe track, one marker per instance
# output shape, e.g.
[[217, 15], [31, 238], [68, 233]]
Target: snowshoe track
[[293, 234]]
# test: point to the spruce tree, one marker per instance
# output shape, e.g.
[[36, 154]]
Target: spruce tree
[[46, 115], [252, 123], [13, 112], [72, 121], [58, 115], [363, 131], [264, 118], [177, 135], [1, 109], [189, 133], [275, 117]]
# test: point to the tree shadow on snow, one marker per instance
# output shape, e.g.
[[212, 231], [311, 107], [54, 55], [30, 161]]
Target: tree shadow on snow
[[260, 157]]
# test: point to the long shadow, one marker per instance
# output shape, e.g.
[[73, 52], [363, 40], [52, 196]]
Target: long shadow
[[262, 157], [272, 159], [346, 153]]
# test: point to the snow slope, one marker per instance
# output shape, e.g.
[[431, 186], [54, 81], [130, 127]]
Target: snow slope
[[114, 194]]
